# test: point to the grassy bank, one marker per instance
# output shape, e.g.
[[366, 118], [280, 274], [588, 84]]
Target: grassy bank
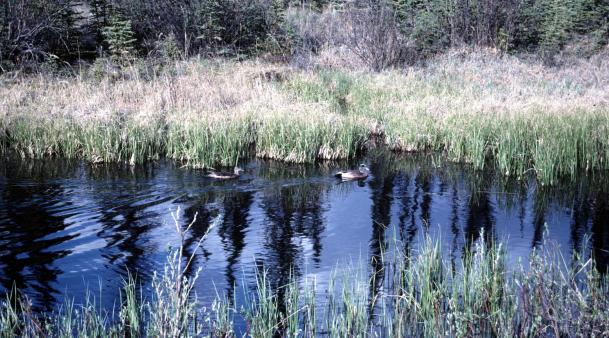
[[412, 294], [474, 106]]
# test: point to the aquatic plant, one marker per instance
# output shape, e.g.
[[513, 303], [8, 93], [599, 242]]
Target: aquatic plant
[[413, 294], [473, 106]]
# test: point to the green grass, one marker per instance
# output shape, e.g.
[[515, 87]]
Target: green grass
[[202, 143], [307, 138], [423, 295], [475, 107]]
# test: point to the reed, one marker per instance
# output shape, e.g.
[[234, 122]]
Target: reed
[[207, 142], [422, 295], [473, 106], [309, 137]]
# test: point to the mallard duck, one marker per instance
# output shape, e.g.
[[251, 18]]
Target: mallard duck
[[361, 173], [224, 175]]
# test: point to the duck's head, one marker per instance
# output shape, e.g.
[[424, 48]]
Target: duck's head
[[238, 171], [363, 168]]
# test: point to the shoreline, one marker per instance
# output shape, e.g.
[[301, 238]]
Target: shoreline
[[475, 107]]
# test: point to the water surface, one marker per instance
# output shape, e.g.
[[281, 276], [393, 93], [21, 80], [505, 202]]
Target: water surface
[[68, 227]]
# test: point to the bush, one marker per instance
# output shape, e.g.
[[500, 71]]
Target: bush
[[382, 33], [104, 68], [168, 48]]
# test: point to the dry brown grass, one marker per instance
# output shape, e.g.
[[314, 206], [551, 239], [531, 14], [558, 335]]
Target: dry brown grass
[[469, 103]]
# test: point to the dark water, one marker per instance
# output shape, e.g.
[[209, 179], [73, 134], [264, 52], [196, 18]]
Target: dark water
[[68, 227]]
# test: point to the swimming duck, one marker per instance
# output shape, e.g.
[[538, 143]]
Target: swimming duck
[[361, 173], [224, 175]]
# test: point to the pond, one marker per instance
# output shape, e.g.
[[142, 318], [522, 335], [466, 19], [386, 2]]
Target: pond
[[68, 227]]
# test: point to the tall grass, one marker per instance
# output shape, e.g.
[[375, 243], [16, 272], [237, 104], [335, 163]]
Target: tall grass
[[482, 109], [309, 137], [421, 294], [205, 143], [473, 106]]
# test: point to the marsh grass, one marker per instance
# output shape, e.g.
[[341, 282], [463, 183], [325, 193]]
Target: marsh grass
[[309, 137], [474, 106], [203, 143], [422, 295]]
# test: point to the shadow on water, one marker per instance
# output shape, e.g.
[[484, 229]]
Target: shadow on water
[[480, 215], [293, 222], [381, 187], [69, 225], [600, 231], [29, 228]]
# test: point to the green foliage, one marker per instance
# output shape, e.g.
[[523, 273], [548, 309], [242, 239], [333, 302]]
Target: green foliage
[[428, 30], [425, 293], [277, 39], [120, 38], [168, 48], [561, 17], [33, 30], [548, 24], [232, 27], [543, 25], [209, 27], [100, 10]]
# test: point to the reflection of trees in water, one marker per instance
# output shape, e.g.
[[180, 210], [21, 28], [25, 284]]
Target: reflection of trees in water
[[424, 182], [454, 225], [586, 199], [420, 200], [522, 208], [292, 213], [480, 211], [124, 240], [232, 231], [580, 217], [206, 210], [38, 170], [272, 171], [124, 197], [540, 207], [415, 204], [600, 231], [232, 209], [381, 191], [406, 219], [28, 227]]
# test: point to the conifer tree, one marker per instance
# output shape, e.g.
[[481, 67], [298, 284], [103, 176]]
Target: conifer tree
[[99, 14], [277, 40], [210, 30], [120, 37]]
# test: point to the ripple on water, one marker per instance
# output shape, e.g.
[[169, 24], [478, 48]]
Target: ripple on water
[[84, 226]]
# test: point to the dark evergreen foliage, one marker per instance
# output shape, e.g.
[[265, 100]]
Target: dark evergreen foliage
[[36, 30]]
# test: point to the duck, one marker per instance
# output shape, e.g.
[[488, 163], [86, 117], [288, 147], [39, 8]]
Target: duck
[[225, 175], [359, 174]]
